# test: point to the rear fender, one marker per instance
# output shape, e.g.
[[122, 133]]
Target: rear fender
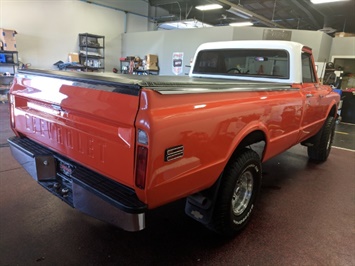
[[332, 109], [252, 133]]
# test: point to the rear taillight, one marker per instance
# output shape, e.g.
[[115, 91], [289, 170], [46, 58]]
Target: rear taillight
[[12, 110], [141, 166]]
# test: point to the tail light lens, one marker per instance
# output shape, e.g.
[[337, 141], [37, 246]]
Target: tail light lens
[[141, 166], [12, 110], [12, 116]]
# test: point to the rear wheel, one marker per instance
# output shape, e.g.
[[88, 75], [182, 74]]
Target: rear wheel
[[239, 187], [323, 141]]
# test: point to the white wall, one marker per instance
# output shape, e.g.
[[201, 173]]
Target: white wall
[[48, 29], [343, 46]]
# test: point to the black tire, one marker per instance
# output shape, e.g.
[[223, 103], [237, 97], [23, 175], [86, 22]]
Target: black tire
[[238, 191], [323, 141]]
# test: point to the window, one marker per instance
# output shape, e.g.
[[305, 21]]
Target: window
[[307, 69], [243, 62]]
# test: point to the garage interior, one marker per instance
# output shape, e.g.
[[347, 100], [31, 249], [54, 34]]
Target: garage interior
[[306, 211]]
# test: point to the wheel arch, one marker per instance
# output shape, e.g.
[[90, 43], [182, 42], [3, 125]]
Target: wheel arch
[[250, 139], [332, 111]]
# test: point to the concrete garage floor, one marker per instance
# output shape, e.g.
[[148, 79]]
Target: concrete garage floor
[[305, 216]]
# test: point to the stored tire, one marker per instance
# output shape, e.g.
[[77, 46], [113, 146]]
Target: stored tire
[[238, 191], [323, 141]]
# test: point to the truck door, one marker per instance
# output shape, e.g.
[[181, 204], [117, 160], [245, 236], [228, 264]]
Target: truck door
[[313, 95]]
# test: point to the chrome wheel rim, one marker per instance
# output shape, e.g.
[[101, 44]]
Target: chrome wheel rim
[[242, 193], [330, 140]]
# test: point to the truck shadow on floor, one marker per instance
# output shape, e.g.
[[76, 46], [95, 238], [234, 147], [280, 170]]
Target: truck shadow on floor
[[174, 239]]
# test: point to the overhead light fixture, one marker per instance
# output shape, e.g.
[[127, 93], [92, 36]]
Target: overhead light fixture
[[241, 24], [183, 24], [209, 7], [326, 1], [240, 13]]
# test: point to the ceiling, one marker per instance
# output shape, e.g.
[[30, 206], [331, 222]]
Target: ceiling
[[288, 14]]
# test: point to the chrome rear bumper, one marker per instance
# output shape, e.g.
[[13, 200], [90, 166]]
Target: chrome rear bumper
[[81, 188]]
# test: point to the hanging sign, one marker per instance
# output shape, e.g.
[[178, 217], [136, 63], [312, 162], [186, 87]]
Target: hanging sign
[[178, 58]]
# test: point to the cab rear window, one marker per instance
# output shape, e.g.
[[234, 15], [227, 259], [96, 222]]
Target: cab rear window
[[243, 62]]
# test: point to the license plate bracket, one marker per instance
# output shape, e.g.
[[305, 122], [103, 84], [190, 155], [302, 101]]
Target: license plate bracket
[[65, 168]]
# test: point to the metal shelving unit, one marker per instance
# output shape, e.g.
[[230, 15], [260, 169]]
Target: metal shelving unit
[[8, 67], [92, 51]]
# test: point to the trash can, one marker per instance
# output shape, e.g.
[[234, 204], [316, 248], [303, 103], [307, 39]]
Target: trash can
[[348, 108]]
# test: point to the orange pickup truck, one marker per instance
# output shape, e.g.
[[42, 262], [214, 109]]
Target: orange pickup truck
[[115, 146]]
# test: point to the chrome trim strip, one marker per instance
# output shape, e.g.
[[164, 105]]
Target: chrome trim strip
[[175, 90]]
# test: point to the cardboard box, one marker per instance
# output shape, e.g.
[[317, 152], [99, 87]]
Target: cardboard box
[[150, 64], [8, 40], [73, 58], [153, 68], [151, 58], [344, 34]]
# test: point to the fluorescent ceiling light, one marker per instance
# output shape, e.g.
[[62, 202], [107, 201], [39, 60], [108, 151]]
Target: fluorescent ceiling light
[[183, 24], [239, 12], [209, 7], [241, 24], [325, 1]]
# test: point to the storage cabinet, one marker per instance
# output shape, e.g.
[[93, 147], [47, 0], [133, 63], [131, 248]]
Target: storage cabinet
[[92, 51], [8, 67]]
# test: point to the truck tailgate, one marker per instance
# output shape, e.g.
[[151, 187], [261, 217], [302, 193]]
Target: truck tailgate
[[89, 123]]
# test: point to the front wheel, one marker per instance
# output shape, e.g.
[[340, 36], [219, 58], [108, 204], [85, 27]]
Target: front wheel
[[238, 191], [323, 141]]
